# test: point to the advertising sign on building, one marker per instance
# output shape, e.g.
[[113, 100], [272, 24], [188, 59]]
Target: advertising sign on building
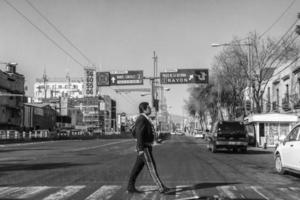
[[89, 82]]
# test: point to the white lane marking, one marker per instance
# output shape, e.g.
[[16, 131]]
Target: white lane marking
[[98, 146], [28, 143], [64, 193], [103, 193], [185, 195], [256, 189], [32, 191], [289, 193], [294, 188], [149, 190], [21, 192], [8, 190], [226, 191]]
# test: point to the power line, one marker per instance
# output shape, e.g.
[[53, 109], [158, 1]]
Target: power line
[[277, 20], [41, 31], [295, 60], [277, 45], [58, 31]]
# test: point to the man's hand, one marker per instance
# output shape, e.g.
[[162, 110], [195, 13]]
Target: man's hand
[[140, 152]]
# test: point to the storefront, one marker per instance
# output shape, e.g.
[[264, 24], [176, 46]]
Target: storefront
[[269, 127]]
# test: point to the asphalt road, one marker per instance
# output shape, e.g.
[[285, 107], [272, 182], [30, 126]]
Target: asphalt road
[[99, 169]]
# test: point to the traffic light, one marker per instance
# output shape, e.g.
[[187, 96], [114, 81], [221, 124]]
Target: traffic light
[[156, 104]]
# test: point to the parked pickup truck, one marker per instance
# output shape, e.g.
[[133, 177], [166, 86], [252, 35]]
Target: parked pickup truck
[[230, 135]]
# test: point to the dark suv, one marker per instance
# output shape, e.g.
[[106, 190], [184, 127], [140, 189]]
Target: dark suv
[[231, 135]]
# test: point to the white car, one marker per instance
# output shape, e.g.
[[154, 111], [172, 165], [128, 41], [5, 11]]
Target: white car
[[199, 135], [287, 152]]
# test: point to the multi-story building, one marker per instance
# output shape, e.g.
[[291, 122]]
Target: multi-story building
[[12, 97], [280, 103], [39, 116], [54, 88], [282, 92]]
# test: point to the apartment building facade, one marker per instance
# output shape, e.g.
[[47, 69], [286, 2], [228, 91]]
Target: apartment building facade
[[12, 97]]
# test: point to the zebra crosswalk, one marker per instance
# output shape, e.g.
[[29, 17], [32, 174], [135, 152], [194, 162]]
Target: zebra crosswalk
[[181, 192]]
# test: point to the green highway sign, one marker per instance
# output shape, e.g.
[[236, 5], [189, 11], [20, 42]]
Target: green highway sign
[[129, 78], [184, 76]]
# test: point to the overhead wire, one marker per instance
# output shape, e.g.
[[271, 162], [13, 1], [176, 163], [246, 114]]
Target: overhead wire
[[277, 20], [45, 34], [58, 31], [277, 45]]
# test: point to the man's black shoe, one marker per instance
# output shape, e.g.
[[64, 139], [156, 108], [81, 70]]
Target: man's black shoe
[[134, 190]]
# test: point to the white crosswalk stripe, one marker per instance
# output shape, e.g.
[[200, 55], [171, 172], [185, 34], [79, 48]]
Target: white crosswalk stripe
[[104, 193], [64, 193], [183, 192], [21, 192]]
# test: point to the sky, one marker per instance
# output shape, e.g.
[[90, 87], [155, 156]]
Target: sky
[[122, 35]]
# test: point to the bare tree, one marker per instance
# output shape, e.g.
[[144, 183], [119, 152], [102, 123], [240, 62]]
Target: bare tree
[[229, 67], [265, 57]]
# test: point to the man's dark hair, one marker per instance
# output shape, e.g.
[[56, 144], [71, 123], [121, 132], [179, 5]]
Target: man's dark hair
[[143, 106]]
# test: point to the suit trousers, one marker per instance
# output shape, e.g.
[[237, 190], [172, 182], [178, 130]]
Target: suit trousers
[[141, 160]]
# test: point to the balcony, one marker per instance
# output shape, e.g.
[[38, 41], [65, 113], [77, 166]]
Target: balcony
[[286, 104], [294, 98], [275, 106], [297, 105]]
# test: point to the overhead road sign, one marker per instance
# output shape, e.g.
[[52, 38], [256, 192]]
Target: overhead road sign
[[127, 90], [103, 78], [130, 78], [184, 76]]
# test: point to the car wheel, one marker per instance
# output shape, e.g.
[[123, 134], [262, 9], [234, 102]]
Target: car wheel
[[278, 165]]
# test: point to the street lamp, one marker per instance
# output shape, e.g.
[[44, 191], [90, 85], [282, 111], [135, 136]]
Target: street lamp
[[249, 65]]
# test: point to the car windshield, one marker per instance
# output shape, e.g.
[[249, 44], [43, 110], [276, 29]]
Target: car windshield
[[231, 126]]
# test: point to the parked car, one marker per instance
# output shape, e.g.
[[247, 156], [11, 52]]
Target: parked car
[[199, 134], [13, 134], [287, 152], [230, 135], [3, 135]]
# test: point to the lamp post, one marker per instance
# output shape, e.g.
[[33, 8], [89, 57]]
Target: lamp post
[[249, 66]]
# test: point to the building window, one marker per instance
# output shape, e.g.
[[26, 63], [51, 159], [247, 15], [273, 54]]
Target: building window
[[269, 95], [277, 96]]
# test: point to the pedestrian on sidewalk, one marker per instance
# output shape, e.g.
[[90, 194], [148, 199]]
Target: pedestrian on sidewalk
[[145, 134]]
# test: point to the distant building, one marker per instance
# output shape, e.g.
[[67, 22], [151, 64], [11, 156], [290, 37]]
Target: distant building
[[39, 116], [54, 88], [12, 97]]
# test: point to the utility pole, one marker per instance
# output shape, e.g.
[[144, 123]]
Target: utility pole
[[45, 79], [153, 87]]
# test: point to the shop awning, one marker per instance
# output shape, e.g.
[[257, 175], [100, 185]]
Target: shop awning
[[271, 117]]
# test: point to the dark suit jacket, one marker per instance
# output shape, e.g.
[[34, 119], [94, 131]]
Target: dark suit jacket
[[144, 132]]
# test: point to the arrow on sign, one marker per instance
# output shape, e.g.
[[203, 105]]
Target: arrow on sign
[[113, 79], [191, 77], [202, 76]]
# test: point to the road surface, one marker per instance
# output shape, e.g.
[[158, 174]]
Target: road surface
[[99, 169]]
